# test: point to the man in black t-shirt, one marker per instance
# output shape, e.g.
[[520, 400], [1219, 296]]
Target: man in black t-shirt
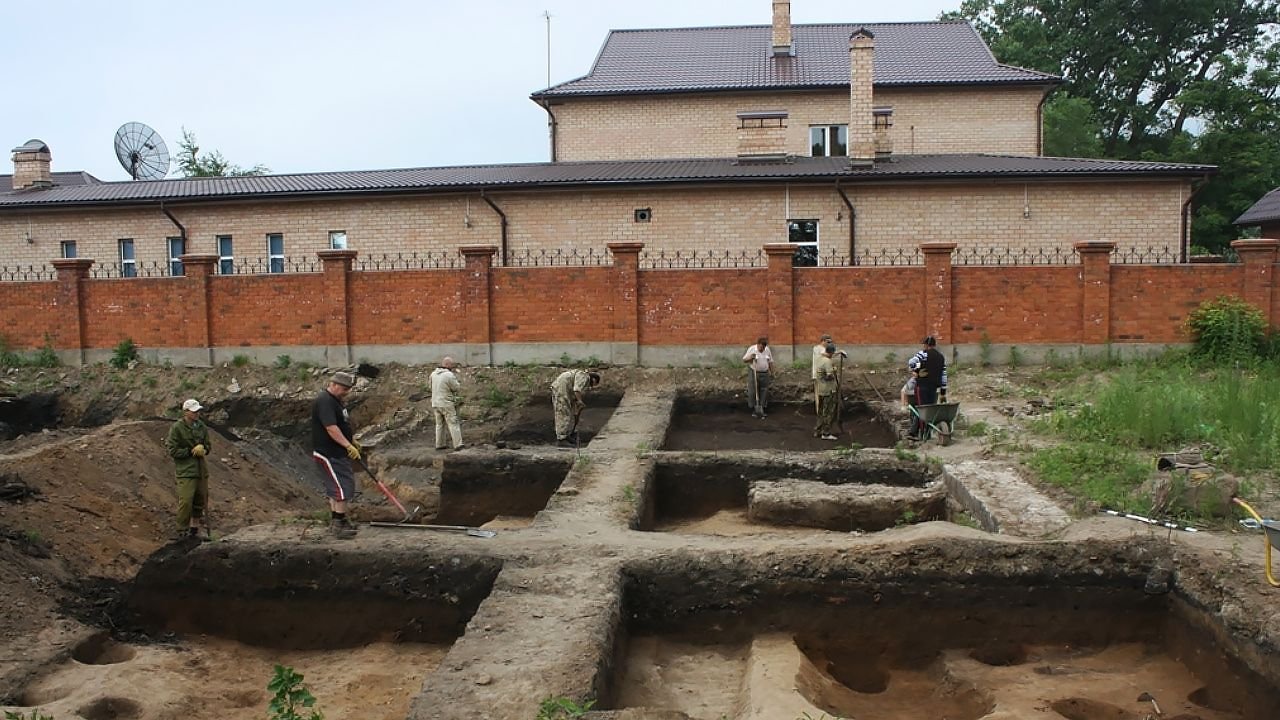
[[333, 449]]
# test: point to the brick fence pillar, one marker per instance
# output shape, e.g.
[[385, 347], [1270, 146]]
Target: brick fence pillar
[[68, 332], [199, 319], [937, 289], [625, 339], [1095, 289], [1259, 260], [336, 302], [780, 300], [477, 292]]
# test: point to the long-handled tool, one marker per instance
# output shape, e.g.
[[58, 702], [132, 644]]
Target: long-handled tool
[[755, 385], [873, 386], [573, 429], [472, 531], [390, 495], [840, 393]]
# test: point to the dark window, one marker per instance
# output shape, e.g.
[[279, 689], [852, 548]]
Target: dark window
[[177, 248], [275, 253], [128, 262], [68, 248], [803, 234], [828, 140], [226, 256]]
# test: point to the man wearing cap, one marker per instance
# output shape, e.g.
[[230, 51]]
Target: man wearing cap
[[567, 400], [188, 444], [445, 391], [759, 358], [930, 369], [825, 389], [333, 449]]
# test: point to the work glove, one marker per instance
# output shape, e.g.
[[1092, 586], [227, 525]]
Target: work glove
[[353, 451], [942, 395], [199, 451]]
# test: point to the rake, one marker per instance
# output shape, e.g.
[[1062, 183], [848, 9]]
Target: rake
[[390, 495], [472, 531]]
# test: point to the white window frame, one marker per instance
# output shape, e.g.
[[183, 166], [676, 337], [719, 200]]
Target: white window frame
[[816, 243], [822, 133], [275, 261], [128, 265], [175, 263], [68, 249], [337, 239], [226, 256]]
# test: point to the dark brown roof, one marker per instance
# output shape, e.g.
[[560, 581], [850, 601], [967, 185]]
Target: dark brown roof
[[546, 175], [1265, 210], [738, 58], [78, 177]]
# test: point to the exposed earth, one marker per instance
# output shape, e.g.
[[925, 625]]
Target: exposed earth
[[88, 500]]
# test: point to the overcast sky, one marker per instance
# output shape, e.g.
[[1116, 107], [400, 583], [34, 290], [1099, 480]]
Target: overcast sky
[[325, 85]]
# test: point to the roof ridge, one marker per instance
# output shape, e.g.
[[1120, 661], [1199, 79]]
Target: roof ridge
[[754, 26]]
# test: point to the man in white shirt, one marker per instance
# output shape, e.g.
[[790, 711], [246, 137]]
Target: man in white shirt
[[759, 360], [445, 397]]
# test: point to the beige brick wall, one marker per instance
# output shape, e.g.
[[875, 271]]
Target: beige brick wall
[[1130, 214], [950, 120]]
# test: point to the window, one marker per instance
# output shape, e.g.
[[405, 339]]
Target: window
[[68, 248], [643, 214], [177, 248], [337, 239], [275, 253], [226, 258], [828, 140], [803, 234], [128, 262]]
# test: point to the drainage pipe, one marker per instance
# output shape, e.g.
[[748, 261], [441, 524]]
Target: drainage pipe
[[853, 224], [174, 220], [552, 125], [1185, 239], [503, 217]]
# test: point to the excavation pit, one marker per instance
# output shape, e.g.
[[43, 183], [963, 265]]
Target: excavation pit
[[479, 489], [534, 422], [700, 424], [872, 490], [955, 631]]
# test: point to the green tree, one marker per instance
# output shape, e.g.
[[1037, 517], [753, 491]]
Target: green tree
[[211, 164]]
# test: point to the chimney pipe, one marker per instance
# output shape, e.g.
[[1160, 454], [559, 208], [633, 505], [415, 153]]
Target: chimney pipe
[[782, 29], [31, 166], [862, 145]]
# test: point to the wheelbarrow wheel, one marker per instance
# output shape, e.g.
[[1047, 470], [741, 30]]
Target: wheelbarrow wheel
[[944, 432]]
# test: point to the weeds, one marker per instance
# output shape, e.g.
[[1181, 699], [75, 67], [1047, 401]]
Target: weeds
[[562, 708], [629, 493], [984, 349], [908, 517], [290, 697], [240, 360], [1227, 330], [35, 715], [45, 357], [1015, 357], [282, 362], [1098, 471], [124, 354], [849, 452], [905, 455], [496, 398]]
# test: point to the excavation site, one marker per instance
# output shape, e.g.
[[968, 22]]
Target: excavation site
[[675, 558]]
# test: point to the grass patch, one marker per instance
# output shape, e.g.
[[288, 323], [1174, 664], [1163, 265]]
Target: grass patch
[[562, 708], [1101, 472]]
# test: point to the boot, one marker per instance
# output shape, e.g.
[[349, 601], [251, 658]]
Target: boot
[[342, 528]]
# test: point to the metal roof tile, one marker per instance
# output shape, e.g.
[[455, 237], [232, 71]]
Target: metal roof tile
[[1266, 209]]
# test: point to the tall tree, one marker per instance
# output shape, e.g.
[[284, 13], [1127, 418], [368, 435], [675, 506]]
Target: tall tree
[[1187, 80], [211, 164]]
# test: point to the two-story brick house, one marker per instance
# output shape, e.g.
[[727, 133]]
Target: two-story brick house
[[852, 141]]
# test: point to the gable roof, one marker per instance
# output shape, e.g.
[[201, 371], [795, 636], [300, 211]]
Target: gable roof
[[1265, 210], [739, 58], [470, 178], [76, 177]]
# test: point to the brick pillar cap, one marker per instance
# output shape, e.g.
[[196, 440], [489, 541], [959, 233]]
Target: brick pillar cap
[[937, 247], [472, 250], [1094, 246], [1254, 244], [198, 259], [72, 263], [779, 248], [625, 247], [337, 254]]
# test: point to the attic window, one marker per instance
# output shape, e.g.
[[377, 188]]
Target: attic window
[[882, 118], [762, 119]]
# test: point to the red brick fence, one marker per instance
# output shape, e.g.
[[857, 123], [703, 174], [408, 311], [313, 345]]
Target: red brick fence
[[620, 313]]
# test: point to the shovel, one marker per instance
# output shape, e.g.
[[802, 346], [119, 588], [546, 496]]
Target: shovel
[[472, 531], [390, 495]]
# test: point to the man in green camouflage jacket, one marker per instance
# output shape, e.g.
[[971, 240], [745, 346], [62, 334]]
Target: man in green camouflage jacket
[[188, 444]]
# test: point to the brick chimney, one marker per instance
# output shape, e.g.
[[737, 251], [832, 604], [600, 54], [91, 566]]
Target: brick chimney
[[862, 145], [782, 29], [31, 166]]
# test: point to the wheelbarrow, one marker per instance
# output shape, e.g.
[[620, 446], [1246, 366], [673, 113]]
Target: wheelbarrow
[[939, 419], [1271, 535]]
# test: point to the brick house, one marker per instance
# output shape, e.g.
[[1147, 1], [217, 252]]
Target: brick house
[[854, 142], [1264, 214]]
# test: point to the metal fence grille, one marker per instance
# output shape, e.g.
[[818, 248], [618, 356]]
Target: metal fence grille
[[27, 273], [1146, 256], [1014, 256], [428, 260], [702, 259], [559, 257], [138, 269], [268, 266]]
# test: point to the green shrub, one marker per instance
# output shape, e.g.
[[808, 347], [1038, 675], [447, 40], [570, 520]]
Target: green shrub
[[984, 349], [561, 708], [125, 352], [289, 696], [240, 360], [1099, 471], [283, 361], [1227, 330]]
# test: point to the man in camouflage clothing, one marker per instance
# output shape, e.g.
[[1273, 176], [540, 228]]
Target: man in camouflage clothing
[[825, 388], [188, 444], [567, 393]]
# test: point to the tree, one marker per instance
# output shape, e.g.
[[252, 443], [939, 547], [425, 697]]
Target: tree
[[1173, 80], [212, 164]]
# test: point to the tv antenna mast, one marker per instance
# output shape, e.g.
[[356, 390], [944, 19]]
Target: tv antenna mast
[[141, 152], [547, 14]]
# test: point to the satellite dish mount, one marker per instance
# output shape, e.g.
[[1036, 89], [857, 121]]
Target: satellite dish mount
[[141, 152]]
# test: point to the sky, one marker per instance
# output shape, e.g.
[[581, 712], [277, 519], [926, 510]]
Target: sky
[[323, 85]]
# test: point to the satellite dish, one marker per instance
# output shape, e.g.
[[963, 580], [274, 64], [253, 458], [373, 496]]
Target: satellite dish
[[141, 152]]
